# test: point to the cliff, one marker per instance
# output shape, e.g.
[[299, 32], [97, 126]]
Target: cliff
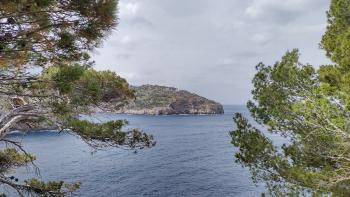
[[161, 100], [150, 100]]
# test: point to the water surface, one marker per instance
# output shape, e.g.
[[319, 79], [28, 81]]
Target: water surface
[[193, 157]]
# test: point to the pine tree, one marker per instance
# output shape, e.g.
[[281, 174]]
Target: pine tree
[[55, 37], [309, 109]]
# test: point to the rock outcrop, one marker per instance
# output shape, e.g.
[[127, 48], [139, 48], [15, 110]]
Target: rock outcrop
[[161, 100], [150, 100]]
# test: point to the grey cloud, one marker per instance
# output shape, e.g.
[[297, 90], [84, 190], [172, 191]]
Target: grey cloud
[[123, 56], [246, 54], [210, 47], [281, 12], [140, 21]]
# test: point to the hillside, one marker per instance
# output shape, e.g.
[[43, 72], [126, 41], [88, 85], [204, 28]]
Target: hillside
[[161, 100]]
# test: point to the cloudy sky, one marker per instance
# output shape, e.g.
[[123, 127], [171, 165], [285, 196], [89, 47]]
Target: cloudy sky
[[210, 47]]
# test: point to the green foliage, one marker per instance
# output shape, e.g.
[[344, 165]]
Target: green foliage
[[153, 99], [57, 36], [309, 109], [35, 187], [64, 77], [103, 132], [110, 133], [34, 33], [85, 86], [11, 158], [291, 101], [336, 40], [51, 188]]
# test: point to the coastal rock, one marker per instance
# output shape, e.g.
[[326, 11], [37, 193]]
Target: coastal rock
[[150, 100], [161, 100]]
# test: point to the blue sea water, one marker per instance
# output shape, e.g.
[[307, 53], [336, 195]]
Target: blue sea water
[[193, 157]]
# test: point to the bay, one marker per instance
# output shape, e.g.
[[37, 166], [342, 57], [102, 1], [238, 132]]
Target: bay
[[193, 157]]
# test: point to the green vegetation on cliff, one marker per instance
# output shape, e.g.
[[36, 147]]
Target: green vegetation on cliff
[[161, 100]]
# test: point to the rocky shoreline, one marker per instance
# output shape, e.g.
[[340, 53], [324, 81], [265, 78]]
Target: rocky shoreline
[[150, 100], [164, 111]]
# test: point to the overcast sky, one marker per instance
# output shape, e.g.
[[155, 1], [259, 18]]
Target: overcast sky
[[210, 47]]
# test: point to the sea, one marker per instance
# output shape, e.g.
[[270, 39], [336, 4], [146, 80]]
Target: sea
[[193, 157]]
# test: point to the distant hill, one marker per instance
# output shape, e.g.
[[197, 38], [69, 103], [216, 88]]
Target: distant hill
[[150, 100], [161, 100]]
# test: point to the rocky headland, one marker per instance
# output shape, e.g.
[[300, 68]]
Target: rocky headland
[[162, 100]]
